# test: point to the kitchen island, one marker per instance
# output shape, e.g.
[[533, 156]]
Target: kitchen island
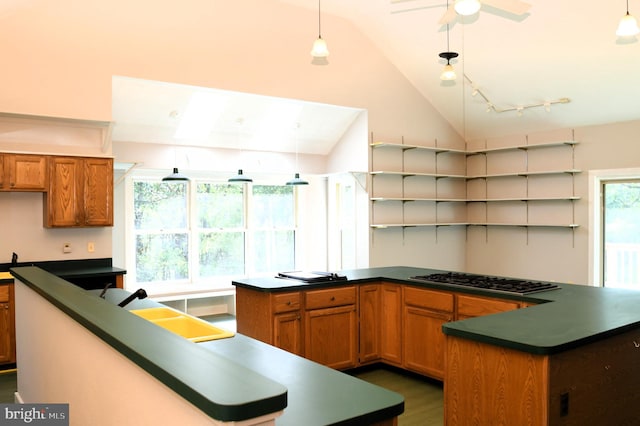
[[99, 355], [565, 356]]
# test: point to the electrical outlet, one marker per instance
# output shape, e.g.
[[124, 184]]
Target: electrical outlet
[[66, 248], [91, 247]]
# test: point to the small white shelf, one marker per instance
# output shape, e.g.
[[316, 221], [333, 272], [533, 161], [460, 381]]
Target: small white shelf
[[522, 225], [533, 173], [437, 200], [407, 174], [406, 147], [522, 147], [490, 200]]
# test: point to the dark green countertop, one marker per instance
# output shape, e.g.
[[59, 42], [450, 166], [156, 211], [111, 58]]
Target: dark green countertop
[[566, 318], [251, 377]]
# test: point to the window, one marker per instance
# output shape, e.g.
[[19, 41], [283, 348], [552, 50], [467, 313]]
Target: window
[[621, 233], [206, 232]]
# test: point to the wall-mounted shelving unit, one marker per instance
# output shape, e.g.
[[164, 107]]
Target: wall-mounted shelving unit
[[399, 162], [414, 174]]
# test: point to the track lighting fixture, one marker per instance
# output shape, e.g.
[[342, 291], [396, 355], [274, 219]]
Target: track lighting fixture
[[628, 26], [319, 50], [491, 107]]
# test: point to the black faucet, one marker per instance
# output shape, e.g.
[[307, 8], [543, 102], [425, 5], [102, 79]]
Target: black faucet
[[14, 259], [104, 290], [138, 294]]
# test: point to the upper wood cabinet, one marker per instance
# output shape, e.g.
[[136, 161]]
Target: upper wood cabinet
[[80, 192], [23, 172]]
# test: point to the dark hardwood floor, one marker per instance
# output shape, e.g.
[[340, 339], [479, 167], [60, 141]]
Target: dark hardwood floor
[[423, 398], [8, 386]]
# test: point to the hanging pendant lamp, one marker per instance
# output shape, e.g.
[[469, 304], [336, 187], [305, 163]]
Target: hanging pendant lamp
[[319, 51], [628, 26], [448, 73], [175, 176], [240, 178], [297, 180]]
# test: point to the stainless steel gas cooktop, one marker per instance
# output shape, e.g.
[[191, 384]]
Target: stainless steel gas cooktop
[[486, 282]]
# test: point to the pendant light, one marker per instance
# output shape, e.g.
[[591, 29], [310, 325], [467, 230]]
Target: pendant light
[[297, 180], [176, 176], [240, 177], [628, 26], [467, 7], [448, 73], [319, 52]]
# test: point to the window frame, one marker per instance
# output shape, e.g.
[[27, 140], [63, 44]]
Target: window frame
[[194, 283]]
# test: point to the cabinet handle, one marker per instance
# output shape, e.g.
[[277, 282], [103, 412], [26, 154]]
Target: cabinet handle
[[636, 344], [333, 298], [288, 302]]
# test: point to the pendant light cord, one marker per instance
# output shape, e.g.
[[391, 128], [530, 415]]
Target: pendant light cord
[[320, 31]]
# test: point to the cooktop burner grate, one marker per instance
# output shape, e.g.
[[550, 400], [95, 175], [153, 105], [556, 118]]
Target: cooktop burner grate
[[486, 282]]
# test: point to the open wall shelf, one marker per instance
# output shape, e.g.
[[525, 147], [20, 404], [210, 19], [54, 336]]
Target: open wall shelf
[[528, 185]]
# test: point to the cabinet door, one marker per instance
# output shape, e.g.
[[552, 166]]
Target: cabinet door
[[26, 172], [369, 317], [424, 341], [64, 200], [98, 192], [331, 336], [391, 324], [6, 348], [2, 180], [287, 332]]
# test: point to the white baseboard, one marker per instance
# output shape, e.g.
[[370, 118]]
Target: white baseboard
[[17, 398]]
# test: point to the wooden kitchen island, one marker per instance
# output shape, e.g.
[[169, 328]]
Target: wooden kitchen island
[[569, 356]]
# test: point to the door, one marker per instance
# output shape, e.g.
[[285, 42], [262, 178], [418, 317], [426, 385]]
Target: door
[[330, 336], [620, 233]]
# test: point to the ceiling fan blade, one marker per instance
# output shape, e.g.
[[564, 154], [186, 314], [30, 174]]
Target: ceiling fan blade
[[516, 7], [448, 16]]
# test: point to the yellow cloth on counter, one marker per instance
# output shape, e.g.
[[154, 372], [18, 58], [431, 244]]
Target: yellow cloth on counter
[[6, 275]]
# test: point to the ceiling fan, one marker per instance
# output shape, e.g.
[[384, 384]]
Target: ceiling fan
[[470, 7]]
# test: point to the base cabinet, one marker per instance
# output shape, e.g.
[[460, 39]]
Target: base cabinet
[[346, 326], [331, 336], [7, 325], [391, 323], [424, 313], [593, 384]]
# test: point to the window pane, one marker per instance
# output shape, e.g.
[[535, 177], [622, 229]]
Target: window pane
[[221, 253], [220, 206], [274, 251], [162, 257], [622, 234], [160, 205], [272, 207]]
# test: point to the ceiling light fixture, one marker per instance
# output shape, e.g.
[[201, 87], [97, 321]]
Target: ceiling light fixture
[[296, 177], [319, 50], [491, 107], [467, 7], [176, 176], [628, 26], [240, 177], [448, 73]]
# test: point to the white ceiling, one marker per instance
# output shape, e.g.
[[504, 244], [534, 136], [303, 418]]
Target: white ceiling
[[559, 49]]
